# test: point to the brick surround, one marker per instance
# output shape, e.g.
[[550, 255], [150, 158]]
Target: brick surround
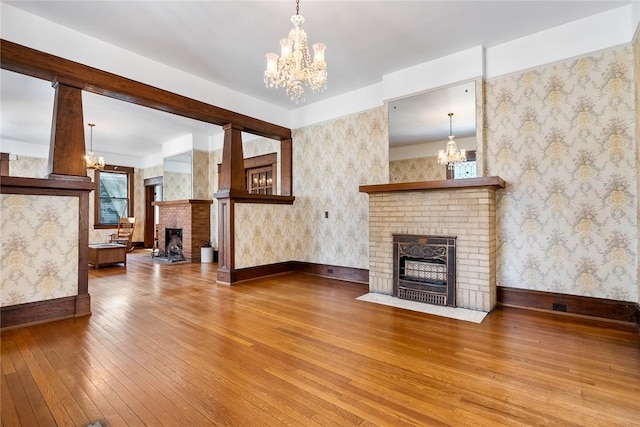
[[468, 213], [193, 216]]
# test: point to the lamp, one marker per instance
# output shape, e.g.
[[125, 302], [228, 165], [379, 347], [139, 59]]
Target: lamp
[[451, 155], [93, 162], [293, 67]]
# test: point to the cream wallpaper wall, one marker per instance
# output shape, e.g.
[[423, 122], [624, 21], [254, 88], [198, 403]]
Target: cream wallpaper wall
[[200, 176], [176, 186], [419, 169], [38, 248], [562, 137], [28, 167], [330, 161], [636, 67]]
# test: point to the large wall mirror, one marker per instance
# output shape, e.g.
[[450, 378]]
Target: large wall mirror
[[419, 127], [177, 172]]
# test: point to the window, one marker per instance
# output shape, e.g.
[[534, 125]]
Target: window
[[260, 180], [466, 169], [113, 195], [260, 173]]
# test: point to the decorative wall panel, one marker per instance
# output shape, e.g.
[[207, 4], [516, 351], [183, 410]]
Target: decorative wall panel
[[562, 137], [330, 161], [28, 167], [200, 176], [414, 170], [40, 232], [636, 67], [176, 186]]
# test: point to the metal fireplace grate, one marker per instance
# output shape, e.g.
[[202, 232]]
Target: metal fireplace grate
[[424, 268], [422, 296], [429, 271]]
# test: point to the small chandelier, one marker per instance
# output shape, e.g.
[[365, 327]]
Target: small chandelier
[[294, 67], [93, 162], [451, 155]]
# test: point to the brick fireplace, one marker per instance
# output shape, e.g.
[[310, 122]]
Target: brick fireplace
[[193, 217], [465, 210]]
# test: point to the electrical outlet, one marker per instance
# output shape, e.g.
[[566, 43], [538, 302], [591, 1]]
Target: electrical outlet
[[559, 306], [330, 270], [326, 214]]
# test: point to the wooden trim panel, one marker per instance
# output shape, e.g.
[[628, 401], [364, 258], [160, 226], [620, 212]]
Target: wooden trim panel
[[183, 202], [347, 274], [32, 313], [445, 184], [621, 311], [4, 164], [260, 271], [44, 184], [246, 197], [638, 317]]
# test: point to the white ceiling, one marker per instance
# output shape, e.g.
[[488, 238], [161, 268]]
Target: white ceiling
[[225, 42]]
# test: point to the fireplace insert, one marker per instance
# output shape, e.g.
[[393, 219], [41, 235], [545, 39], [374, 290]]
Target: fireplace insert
[[424, 268]]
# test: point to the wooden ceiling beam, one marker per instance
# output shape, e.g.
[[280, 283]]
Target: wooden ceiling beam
[[32, 62]]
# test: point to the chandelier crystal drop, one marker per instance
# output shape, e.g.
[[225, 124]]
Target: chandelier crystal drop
[[93, 162], [294, 68], [451, 156]]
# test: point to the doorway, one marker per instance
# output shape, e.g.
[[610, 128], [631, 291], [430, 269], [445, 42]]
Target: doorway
[[152, 193]]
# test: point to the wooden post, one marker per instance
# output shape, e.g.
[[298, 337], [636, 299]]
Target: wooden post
[[66, 149], [232, 174], [232, 182], [286, 172]]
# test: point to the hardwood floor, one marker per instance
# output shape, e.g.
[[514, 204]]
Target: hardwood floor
[[166, 346]]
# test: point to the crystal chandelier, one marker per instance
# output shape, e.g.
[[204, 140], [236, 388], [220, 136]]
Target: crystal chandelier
[[294, 67], [93, 162], [451, 155]]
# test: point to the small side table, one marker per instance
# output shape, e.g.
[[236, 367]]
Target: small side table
[[101, 254]]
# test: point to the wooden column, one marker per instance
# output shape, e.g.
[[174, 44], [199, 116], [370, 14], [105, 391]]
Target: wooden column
[[66, 149], [286, 171], [4, 164], [232, 183], [232, 174]]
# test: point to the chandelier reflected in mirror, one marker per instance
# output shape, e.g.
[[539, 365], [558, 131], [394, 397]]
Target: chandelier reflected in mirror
[[294, 68], [93, 162], [451, 155]]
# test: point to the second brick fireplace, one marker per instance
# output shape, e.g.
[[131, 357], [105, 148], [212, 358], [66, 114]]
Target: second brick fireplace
[[193, 217]]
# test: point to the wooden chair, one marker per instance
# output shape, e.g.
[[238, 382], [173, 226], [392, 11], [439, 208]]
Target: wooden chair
[[124, 234]]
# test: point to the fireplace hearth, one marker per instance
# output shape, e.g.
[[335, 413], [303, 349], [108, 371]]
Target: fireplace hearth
[[424, 269]]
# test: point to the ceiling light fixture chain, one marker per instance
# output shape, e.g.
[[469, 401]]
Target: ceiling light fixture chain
[[294, 68], [93, 162], [451, 156]]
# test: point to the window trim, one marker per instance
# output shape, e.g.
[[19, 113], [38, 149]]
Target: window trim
[[96, 201]]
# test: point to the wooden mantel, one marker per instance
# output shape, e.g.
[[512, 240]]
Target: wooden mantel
[[445, 184]]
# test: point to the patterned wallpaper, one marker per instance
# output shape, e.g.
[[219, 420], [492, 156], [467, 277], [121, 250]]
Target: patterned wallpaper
[[176, 186], [562, 137], [38, 248], [330, 161], [201, 176], [636, 67], [419, 169], [28, 167]]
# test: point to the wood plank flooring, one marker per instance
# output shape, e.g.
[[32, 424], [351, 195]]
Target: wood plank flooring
[[166, 346]]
